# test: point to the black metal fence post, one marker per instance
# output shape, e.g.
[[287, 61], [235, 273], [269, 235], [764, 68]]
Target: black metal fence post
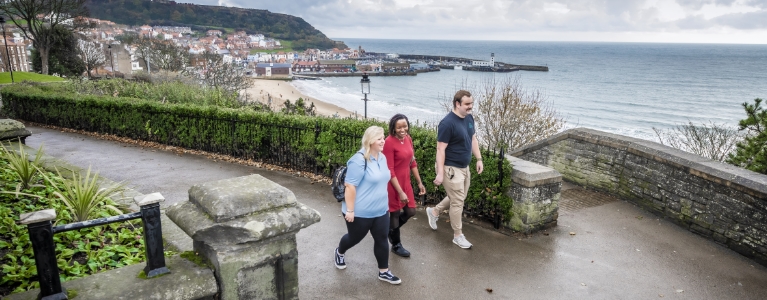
[[316, 137], [150, 215], [501, 158], [41, 235]]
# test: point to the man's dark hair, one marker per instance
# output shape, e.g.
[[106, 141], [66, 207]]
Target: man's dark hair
[[393, 123], [459, 96]]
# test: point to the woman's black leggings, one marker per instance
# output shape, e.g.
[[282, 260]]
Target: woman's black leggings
[[397, 219], [378, 228]]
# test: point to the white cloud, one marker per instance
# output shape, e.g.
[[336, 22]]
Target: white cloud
[[528, 19]]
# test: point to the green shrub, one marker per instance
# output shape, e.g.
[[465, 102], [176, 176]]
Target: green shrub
[[78, 252], [82, 195], [751, 153], [20, 165], [321, 141]]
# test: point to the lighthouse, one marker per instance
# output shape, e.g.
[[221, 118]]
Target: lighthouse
[[492, 60]]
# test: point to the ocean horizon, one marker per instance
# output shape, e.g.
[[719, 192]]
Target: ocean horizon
[[623, 88]]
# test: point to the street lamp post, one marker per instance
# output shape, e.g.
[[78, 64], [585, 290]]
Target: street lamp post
[[365, 83], [7, 54], [111, 61]]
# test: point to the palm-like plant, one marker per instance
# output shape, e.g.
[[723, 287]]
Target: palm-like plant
[[24, 169], [82, 194]]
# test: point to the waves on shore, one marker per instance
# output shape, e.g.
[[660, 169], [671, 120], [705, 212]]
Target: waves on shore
[[381, 105]]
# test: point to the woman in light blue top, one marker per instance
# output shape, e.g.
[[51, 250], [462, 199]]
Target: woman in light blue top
[[366, 203]]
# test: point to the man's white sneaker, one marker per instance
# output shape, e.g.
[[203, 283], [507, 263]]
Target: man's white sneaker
[[432, 218], [462, 242]]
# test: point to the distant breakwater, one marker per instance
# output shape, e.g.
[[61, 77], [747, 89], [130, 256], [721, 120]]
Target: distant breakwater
[[359, 73], [448, 62]]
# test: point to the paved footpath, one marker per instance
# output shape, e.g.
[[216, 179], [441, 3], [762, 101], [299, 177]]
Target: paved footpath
[[617, 251]]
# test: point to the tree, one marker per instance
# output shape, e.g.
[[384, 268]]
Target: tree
[[63, 57], [509, 116], [143, 50], [167, 56], [299, 108], [713, 141], [751, 153], [216, 73], [40, 19], [91, 54], [160, 54]]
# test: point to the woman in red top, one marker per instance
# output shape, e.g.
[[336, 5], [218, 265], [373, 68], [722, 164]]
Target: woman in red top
[[401, 160]]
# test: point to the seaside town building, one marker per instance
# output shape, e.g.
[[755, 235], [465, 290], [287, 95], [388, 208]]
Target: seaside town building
[[16, 53], [337, 65], [243, 49], [393, 67], [306, 66], [272, 69], [482, 63]]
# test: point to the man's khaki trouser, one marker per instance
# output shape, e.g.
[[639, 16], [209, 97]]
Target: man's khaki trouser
[[456, 182]]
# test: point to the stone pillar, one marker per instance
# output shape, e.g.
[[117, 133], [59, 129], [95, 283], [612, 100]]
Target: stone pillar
[[535, 190], [246, 227]]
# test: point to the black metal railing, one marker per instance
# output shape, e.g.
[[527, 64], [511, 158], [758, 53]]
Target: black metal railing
[[41, 233], [482, 207]]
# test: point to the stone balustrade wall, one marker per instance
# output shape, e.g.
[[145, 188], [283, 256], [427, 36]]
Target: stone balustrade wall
[[715, 200]]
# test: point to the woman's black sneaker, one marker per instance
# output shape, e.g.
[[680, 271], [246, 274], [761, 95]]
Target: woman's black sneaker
[[389, 277], [340, 263], [399, 250]]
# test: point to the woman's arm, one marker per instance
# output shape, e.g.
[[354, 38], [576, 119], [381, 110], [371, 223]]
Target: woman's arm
[[389, 153], [395, 183], [350, 193], [414, 169], [421, 187]]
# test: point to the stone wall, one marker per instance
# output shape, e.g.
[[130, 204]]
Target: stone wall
[[536, 191], [718, 201]]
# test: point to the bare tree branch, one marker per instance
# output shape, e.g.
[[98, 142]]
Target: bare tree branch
[[219, 74], [91, 54], [713, 141], [509, 116]]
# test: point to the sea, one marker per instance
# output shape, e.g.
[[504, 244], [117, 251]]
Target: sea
[[622, 88]]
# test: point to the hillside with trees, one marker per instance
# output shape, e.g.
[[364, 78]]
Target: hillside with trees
[[204, 17]]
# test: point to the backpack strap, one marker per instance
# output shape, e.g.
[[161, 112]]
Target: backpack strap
[[366, 163]]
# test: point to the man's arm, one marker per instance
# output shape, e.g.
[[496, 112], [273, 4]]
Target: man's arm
[[440, 162], [477, 154]]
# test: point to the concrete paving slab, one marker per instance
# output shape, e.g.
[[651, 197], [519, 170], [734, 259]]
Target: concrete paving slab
[[618, 251]]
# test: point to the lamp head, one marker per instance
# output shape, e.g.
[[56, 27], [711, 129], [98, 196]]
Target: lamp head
[[365, 83]]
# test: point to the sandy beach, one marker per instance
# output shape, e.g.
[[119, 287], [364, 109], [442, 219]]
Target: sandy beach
[[280, 91]]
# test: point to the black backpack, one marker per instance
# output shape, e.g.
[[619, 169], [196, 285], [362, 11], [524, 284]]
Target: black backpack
[[339, 177]]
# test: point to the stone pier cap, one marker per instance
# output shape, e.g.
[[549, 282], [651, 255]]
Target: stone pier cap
[[530, 174], [240, 210]]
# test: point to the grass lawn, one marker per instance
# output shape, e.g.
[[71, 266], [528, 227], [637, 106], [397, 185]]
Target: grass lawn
[[5, 77], [287, 46]]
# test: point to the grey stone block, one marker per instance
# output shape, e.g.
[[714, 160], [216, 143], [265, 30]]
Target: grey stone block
[[185, 281], [246, 228], [230, 198], [249, 228], [12, 129]]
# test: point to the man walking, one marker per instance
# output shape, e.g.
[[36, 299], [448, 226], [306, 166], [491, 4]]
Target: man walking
[[455, 144]]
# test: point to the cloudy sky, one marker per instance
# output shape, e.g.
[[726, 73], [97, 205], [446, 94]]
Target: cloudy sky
[[676, 21]]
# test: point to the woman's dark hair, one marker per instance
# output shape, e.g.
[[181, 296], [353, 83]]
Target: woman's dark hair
[[393, 123]]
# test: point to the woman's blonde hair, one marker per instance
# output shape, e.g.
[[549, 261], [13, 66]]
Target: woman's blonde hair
[[370, 136]]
